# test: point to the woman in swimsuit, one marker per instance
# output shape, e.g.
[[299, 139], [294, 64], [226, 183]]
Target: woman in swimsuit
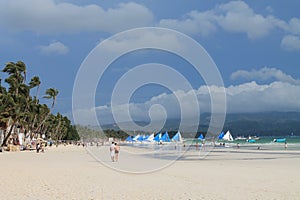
[[117, 151]]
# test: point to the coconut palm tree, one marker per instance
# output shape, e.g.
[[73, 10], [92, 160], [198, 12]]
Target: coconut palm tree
[[19, 109], [35, 82], [51, 93], [17, 75]]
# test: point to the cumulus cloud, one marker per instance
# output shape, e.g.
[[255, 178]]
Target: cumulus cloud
[[251, 97], [54, 48], [195, 22], [264, 74], [142, 38], [234, 16], [294, 26], [247, 97], [237, 16], [49, 16], [291, 43]]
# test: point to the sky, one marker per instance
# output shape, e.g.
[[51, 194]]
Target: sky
[[255, 46]]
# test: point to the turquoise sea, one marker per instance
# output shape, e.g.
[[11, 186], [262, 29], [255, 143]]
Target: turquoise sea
[[293, 143], [261, 140], [190, 144]]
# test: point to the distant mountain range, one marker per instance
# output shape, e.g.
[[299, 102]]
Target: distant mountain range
[[239, 124]]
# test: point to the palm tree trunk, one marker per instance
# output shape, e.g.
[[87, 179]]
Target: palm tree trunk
[[37, 94], [8, 135]]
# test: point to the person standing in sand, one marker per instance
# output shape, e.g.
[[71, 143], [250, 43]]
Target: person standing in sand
[[112, 151], [117, 151], [285, 145]]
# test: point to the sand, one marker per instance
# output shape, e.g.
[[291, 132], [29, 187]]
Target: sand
[[70, 172]]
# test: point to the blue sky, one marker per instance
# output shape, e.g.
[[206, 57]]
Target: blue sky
[[255, 45]]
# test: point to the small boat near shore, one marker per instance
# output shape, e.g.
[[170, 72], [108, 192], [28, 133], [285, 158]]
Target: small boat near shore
[[240, 138], [280, 140], [251, 140]]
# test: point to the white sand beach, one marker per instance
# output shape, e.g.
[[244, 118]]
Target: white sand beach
[[69, 172]]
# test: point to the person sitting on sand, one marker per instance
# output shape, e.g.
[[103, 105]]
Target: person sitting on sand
[[112, 151], [117, 151]]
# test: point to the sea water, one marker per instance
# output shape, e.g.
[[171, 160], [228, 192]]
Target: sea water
[[267, 143]]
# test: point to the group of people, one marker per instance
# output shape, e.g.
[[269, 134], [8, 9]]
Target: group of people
[[114, 151]]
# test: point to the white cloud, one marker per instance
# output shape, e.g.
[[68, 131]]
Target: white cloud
[[291, 43], [235, 16], [142, 38], [195, 22], [264, 74], [251, 97], [54, 48], [247, 97], [48, 17], [294, 26]]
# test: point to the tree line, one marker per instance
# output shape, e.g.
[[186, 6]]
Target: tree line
[[22, 112]]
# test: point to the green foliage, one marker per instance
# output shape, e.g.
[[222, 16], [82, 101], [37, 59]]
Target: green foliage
[[116, 134], [19, 109], [88, 133], [72, 134]]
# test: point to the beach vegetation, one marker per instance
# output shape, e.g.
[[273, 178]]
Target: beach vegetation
[[22, 113]]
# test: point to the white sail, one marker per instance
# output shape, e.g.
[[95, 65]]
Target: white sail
[[135, 137], [150, 138], [228, 136]]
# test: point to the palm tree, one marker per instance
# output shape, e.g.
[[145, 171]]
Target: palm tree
[[16, 99], [13, 113], [35, 82], [17, 75], [19, 109], [51, 93]]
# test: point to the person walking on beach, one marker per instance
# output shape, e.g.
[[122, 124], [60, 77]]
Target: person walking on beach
[[112, 151], [203, 146], [285, 145], [117, 151]]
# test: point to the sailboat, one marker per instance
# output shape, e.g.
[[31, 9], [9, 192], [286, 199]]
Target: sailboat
[[279, 140], [150, 138], [227, 136], [177, 137]]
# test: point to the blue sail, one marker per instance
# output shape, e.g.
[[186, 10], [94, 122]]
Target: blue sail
[[157, 138], [129, 138], [177, 137], [146, 137], [141, 138], [221, 135], [201, 137], [165, 137]]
